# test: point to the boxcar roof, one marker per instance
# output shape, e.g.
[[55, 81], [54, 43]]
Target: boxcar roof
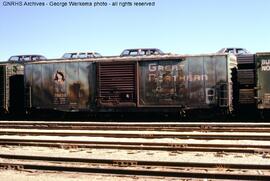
[[128, 58], [263, 53]]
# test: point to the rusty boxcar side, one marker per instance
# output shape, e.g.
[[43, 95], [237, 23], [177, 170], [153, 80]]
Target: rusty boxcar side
[[60, 85], [132, 83], [190, 82]]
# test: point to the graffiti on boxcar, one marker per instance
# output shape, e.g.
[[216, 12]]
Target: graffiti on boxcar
[[265, 65], [170, 82], [60, 95], [153, 69], [181, 88], [167, 85], [161, 81]]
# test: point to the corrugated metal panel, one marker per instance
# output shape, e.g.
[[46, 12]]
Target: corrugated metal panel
[[116, 84], [245, 59], [246, 77], [246, 96]]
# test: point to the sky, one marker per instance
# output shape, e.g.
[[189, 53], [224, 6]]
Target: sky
[[176, 26]]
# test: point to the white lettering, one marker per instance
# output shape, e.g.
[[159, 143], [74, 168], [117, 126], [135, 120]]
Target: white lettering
[[266, 68], [265, 62], [152, 67]]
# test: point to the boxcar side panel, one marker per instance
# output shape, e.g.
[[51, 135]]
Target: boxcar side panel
[[47, 86], [222, 84], [210, 84], [36, 90], [61, 86], [221, 69], [196, 79], [28, 83], [157, 82], [263, 79], [86, 87], [192, 82], [72, 84]]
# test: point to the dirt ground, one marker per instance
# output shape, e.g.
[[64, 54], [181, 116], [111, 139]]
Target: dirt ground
[[11, 175]]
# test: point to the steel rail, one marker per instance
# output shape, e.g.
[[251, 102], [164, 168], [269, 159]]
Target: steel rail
[[141, 128], [145, 124], [143, 135], [138, 162], [133, 172], [181, 127], [168, 169], [189, 124], [239, 148]]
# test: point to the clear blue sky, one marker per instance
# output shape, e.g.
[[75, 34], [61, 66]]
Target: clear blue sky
[[179, 26]]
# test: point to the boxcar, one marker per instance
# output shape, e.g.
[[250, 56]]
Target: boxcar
[[263, 79], [11, 83], [143, 83]]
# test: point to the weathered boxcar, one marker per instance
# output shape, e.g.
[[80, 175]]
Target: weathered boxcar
[[11, 82], [143, 83], [263, 79]]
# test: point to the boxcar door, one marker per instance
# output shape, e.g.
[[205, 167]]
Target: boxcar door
[[116, 83]]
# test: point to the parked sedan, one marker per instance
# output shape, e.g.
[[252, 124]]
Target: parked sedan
[[141, 51], [235, 51], [26, 58], [74, 55]]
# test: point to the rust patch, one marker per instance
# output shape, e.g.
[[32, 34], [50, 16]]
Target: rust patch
[[77, 94]]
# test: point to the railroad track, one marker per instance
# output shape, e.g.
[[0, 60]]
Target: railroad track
[[148, 131], [140, 134], [137, 167], [195, 147], [177, 127]]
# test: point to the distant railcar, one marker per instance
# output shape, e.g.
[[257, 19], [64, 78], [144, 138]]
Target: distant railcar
[[11, 87], [144, 83], [263, 80]]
